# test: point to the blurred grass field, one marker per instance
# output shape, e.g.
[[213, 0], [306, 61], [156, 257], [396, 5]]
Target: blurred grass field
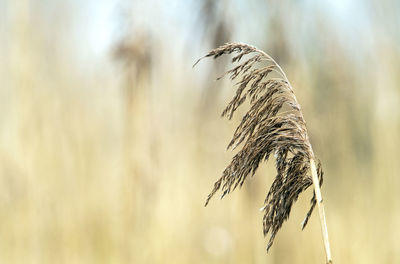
[[109, 149]]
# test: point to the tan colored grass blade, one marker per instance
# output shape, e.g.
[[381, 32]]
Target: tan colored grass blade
[[321, 212]]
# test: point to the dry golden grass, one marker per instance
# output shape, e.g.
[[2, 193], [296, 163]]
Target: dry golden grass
[[273, 125]]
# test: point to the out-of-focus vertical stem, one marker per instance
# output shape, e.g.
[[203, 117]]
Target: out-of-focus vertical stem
[[321, 211]]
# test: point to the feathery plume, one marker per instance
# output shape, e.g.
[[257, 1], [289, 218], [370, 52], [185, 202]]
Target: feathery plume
[[274, 125]]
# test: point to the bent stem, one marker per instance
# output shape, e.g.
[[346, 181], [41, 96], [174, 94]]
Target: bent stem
[[274, 124], [321, 211]]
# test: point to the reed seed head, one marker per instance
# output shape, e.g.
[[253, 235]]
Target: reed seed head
[[274, 125]]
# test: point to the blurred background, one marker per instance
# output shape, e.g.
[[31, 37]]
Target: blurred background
[[110, 141]]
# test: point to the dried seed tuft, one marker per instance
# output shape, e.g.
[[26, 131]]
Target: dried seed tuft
[[274, 124]]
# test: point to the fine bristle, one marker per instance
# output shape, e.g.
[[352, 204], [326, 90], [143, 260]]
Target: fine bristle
[[275, 125]]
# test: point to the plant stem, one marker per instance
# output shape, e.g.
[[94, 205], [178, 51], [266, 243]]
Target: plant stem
[[321, 211], [314, 174]]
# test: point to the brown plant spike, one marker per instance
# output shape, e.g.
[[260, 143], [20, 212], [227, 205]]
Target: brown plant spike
[[274, 125]]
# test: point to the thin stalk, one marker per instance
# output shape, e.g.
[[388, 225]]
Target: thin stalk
[[314, 174], [321, 211]]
